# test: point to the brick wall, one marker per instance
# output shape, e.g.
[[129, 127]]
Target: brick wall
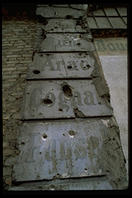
[[17, 49]]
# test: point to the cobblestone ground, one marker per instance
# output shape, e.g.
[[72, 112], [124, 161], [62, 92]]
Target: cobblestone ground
[[17, 48]]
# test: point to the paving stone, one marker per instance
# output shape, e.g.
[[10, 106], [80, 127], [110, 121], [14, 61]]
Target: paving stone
[[110, 12], [64, 25], [54, 12], [117, 23], [63, 99], [95, 183], [62, 65], [66, 42], [60, 149], [99, 12], [103, 22], [125, 19], [122, 11], [91, 23]]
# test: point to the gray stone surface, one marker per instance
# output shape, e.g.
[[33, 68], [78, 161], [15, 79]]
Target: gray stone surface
[[122, 11], [60, 149], [62, 65], [95, 183], [110, 12], [103, 22], [64, 25], [117, 23], [99, 12], [66, 42], [63, 99], [92, 23], [55, 12]]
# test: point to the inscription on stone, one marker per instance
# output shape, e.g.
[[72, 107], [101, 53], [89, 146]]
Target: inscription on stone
[[63, 99], [63, 65], [66, 42], [59, 149]]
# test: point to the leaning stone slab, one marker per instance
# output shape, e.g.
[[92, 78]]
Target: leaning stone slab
[[56, 12], [70, 149], [64, 42], [63, 99], [62, 65]]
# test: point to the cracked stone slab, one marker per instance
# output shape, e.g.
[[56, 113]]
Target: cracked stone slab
[[62, 65], [63, 99], [64, 25], [95, 183], [65, 43], [56, 12], [59, 149]]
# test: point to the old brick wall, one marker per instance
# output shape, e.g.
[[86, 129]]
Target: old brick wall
[[17, 48]]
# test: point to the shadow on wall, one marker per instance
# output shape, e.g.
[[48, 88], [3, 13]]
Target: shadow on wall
[[19, 10]]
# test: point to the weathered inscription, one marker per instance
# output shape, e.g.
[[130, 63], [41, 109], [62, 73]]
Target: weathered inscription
[[59, 149], [55, 99], [62, 65]]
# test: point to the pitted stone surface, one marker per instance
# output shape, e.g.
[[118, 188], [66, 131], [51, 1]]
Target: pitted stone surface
[[56, 12], [62, 65], [63, 99], [60, 149], [64, 25], [66, 43]]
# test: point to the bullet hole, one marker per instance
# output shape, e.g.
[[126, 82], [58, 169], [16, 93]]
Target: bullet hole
[[63, 134], [71, 133], [60, 109], [52, 29], [43, 34], [41, 55], [47, 101], [67, 90], [44, 137], [23, 143], [78, 44], [85, 169], [68, 17], [88, 66], [36, 71], [69, 67], [40, 152]]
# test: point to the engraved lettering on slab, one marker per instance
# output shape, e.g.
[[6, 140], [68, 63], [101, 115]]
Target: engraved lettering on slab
[[62, 102], [89, 99]]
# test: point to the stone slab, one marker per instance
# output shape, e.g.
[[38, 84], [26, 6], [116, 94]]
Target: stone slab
[[125, 19], [99, 12], [102, 22], [64, 25], [92, 23], [62, 65], [79, 6], [117, 23], [110, 12], [55, 12], [63, 99], [122, 11], [95, 183], [59, 149], [66, 43]]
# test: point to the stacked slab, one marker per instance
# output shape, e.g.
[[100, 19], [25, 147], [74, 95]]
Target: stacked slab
[[69, 135]]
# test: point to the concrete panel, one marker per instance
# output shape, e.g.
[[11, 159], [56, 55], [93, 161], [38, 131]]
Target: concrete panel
[[66, 42], [117, 23], [59, 149], [92, 23], [122, 11], [102, 22], [95, 183], [110, 12], [62, 65], [55, 12], [64, 25], [63, 99]]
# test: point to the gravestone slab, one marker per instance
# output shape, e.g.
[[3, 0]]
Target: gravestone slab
[[117, 23], [102, 22], [64, 25], [56, 12], [62, 65], [63, 99], [59, 149], [66, 43]]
